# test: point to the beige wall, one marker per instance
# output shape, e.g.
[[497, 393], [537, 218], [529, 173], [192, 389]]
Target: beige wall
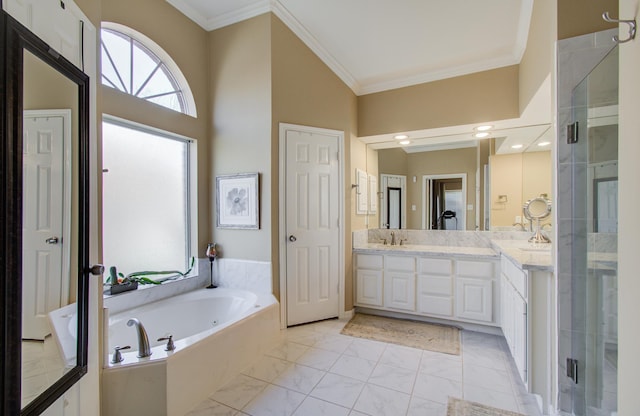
[[241, 127], [506, 179], [186, 43], [536, 175], [579, 17], [519, 176], [474, 98], [439, 163], [306, 92], [538, 59], [398, 162]]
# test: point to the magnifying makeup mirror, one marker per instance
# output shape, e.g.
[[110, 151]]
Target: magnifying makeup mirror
[[537, 209]]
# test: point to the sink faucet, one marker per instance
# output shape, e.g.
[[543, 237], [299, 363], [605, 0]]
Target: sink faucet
[[144, 349], [393, 238]]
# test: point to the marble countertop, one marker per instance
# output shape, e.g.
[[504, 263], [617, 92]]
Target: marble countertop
[[526, 255], [434, 250]]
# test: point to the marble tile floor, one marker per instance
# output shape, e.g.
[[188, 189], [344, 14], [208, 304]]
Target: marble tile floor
[[317, 371], [42, 365]]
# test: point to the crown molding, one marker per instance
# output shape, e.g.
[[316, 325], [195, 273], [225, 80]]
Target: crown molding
[[312, 43], [252, 10], [189, 11]]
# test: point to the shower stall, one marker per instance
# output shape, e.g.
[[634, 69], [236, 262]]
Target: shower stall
[[587, 212]]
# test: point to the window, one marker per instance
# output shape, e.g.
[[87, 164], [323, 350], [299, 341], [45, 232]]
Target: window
[[134, 64], [149, 206]]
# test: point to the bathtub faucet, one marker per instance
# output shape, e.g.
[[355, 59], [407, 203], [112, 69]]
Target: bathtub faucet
[[144, 349]]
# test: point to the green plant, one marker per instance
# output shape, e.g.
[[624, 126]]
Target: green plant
[[116, 278]]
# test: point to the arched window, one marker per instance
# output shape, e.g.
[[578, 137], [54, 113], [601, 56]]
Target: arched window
[[134, 64]]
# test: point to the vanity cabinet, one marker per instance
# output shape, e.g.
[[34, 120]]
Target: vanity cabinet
[[450, 287]]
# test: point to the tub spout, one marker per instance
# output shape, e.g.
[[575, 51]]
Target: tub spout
[[144, 349]]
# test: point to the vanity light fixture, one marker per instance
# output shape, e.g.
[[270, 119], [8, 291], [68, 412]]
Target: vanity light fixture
[[541, 144], [484, 128], [516, 146], [405, 142], [401, 137], [481, 135]]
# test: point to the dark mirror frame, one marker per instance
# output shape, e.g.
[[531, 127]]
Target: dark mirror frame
[[14, 40]]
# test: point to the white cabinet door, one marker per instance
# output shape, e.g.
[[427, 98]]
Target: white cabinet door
[[520, 335], [474, 299], [369, 287], [399, 290]]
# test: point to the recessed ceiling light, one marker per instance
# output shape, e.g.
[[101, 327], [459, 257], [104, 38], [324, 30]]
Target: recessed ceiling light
[[516, 146], [405, 142], [481, 135], [484, 128], [544, 144], [400, 137]]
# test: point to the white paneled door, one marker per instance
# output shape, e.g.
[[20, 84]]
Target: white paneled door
[[42, 223], [312, 226]]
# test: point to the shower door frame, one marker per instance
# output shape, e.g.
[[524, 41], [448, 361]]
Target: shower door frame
[[575, 61]]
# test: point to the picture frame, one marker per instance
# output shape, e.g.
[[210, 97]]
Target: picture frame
[[362, 192], [237, 201]]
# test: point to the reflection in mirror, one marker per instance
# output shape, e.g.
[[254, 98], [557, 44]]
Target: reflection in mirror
[[502, 172], [45, 186], [50, 103]]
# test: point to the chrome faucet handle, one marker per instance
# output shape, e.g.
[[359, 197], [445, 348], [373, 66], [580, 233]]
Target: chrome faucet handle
[[403, 241], [384, 241], [117, 357], [170, 345]]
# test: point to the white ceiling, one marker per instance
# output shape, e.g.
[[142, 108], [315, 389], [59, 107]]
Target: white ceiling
[[377, 45]]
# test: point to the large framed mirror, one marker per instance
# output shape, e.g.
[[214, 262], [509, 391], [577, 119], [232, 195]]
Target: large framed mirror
[[44, 170]]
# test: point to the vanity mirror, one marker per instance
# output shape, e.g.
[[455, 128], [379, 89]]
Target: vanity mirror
[[483, 182], [44, 240]]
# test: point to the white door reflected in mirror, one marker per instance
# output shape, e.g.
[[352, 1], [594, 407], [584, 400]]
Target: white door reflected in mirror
[[44, 266]]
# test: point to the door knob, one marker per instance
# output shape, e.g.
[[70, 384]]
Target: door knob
[[97, 269], [292, 238], [52, 240]]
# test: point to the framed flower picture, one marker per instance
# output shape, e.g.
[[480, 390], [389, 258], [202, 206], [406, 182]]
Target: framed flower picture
[[237, 204]]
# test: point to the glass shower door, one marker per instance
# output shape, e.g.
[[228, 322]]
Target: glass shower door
[[594, 311]]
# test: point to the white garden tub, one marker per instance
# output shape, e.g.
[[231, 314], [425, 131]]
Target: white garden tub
[[217, 333]]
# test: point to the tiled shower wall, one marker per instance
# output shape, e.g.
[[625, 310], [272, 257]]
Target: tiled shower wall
[[576, 58]]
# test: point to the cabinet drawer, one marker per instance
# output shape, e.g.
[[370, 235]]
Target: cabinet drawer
[[475, 268], [369, 261], [403, 264], [435, 285], [516, 276], [434, 266], [435, 305]]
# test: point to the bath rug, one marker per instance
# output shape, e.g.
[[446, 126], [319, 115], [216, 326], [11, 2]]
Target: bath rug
[[415, 334], [459, 407]]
